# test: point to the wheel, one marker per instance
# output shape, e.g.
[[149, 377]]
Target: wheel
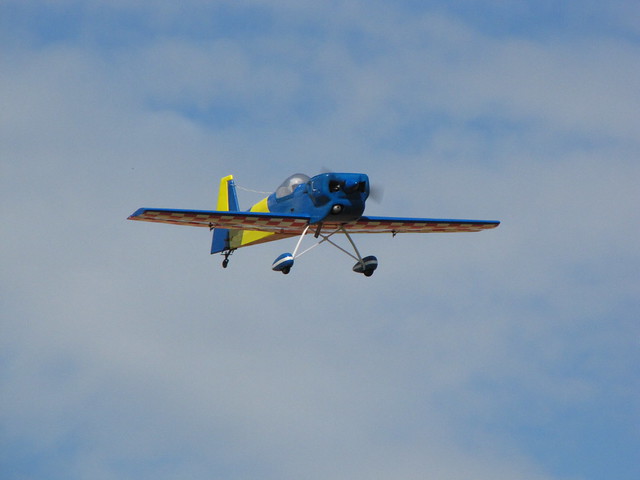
[[286, 270], [225, 263], [366, 266]]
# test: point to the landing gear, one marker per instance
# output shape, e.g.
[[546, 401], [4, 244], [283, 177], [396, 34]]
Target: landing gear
[[225, 262], [366, 265], [283, 263]]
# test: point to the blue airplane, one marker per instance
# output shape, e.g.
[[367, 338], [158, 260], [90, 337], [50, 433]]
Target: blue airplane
[[323, 205]]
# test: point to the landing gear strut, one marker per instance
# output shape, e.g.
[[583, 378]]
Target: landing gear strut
[[366, 265], [225, 262]]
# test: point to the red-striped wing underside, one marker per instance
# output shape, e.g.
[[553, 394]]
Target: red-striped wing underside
[[295, 224], [263, 222]]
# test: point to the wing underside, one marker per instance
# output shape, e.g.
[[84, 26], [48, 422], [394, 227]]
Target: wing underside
[[289, 225], [416, 225], [261, 222]]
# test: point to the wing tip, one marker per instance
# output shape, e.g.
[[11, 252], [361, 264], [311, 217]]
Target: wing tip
[[136, 214]]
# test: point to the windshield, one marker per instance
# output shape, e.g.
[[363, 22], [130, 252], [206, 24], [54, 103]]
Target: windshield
[[289, 185]]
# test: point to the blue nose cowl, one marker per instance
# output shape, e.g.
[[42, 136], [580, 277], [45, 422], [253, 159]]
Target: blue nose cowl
[[351, 185]]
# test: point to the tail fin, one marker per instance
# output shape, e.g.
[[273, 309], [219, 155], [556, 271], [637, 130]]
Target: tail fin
[[227, 202]]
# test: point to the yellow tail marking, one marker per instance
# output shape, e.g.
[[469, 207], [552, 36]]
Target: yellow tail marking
[[223, 194]]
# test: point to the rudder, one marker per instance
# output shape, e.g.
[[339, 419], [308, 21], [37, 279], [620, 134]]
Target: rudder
[[227, 202]]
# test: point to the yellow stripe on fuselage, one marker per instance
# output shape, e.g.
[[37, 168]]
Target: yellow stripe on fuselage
[[240, 238]]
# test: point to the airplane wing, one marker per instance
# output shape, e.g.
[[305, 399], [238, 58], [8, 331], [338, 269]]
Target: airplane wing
[[261, 222], [417, 225], [294, 224]]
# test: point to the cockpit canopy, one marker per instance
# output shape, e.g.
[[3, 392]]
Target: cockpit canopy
[[289, 185]]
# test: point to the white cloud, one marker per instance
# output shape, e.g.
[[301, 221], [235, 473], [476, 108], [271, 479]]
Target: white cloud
[[129, 352]]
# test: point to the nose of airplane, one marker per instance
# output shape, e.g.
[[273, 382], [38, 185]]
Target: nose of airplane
[[351, 185]]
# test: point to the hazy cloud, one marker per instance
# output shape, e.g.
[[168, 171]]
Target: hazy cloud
[[128, 353]]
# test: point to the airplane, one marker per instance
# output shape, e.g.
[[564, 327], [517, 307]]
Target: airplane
[[324, 205]]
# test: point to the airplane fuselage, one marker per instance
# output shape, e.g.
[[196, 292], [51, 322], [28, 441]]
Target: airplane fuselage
[[335, 197]]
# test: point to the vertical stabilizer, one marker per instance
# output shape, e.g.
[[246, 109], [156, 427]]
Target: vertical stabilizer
[[227, 198], [227, 202]]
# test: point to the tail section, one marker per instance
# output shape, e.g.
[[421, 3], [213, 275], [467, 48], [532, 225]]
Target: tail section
[[226, 240], [227, 202], [227, 198]]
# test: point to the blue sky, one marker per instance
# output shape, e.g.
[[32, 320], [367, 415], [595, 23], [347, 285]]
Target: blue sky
[[127, 352]]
